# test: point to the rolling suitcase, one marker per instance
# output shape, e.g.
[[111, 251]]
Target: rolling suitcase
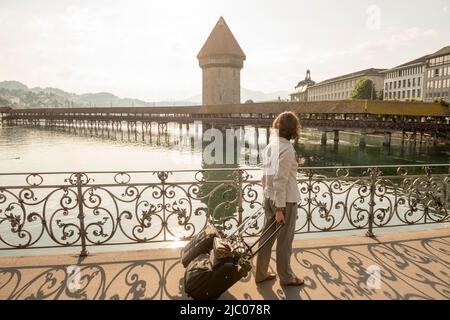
[[207, 276], [199, 244], [203, 241]]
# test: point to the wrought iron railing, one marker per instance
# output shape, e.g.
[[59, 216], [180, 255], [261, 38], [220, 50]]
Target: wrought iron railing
[[47, 210]]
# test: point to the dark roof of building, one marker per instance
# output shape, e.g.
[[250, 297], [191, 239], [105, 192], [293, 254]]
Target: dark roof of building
[[305, 82], [371, 71], [415, 61], [221, 42], [443, 51]]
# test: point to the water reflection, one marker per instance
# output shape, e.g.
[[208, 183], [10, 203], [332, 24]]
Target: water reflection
[[180, 146], [176, 146]]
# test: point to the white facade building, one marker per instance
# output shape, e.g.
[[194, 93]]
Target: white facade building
[[406, 81], [339, 88], [437, 75]]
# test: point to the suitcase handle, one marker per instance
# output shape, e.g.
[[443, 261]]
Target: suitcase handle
[[250, 249], [245, 224]]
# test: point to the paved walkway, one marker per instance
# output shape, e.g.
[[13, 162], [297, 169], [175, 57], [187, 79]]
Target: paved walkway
[[413, 265]]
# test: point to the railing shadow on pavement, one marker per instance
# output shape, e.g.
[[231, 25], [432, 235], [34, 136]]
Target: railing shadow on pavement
[[110, 280], [411, 269]]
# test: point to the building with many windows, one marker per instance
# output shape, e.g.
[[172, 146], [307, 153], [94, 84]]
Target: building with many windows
[[339, 88], [300, 92], [406, 81], [426, 78], [437, 75]]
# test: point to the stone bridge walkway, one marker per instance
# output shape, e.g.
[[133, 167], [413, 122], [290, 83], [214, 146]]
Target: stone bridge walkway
[[413, 265]]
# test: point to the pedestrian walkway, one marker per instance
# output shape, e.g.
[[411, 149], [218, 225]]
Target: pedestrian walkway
[[412, 265]]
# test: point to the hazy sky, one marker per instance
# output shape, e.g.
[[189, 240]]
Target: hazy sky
[[147, 49]]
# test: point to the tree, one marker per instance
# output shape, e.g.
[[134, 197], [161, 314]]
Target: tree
[[364, 89], [443, 102], [4, 102]]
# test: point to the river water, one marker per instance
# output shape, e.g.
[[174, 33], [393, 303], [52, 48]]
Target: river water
[[26, 149]]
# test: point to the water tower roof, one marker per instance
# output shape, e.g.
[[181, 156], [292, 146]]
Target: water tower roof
[[221, 42]]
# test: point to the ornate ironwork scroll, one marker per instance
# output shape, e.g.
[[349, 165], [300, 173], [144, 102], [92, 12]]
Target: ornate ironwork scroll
[[48, 210]]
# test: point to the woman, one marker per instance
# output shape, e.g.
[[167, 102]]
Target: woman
[[281, 196]]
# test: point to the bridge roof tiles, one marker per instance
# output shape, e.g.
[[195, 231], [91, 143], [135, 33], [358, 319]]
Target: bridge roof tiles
[[326, 107], [353, 107]]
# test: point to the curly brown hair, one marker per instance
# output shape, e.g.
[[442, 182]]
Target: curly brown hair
[[288, 125]]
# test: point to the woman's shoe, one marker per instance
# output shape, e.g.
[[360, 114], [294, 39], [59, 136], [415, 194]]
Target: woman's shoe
[[270, 276], [297, 282]]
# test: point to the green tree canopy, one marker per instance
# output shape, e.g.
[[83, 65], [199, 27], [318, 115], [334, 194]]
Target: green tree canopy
[[364, 89]]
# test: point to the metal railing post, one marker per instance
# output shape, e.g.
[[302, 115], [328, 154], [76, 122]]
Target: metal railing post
[[240, 196], [362, 198], [310, 175], [372, 180], [80, 217]]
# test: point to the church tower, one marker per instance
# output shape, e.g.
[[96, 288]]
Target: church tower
[[221, 59]]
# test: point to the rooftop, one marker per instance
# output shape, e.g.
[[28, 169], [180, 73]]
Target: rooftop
[[443, 51], [376, 107], [307, 81], [4, 109], [303, 85], [410, 63], [221, 42], [366, 72], [423, 59]]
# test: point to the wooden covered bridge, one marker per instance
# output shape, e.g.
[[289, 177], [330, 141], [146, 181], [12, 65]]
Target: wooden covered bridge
[[414, 119]]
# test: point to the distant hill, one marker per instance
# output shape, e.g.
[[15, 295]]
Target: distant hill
[[13, 85], [108, 99], [247, 94], [54, 91], [17, 95], [259, 96]]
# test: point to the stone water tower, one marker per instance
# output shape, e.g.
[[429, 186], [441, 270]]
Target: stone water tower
[[221, 59]]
